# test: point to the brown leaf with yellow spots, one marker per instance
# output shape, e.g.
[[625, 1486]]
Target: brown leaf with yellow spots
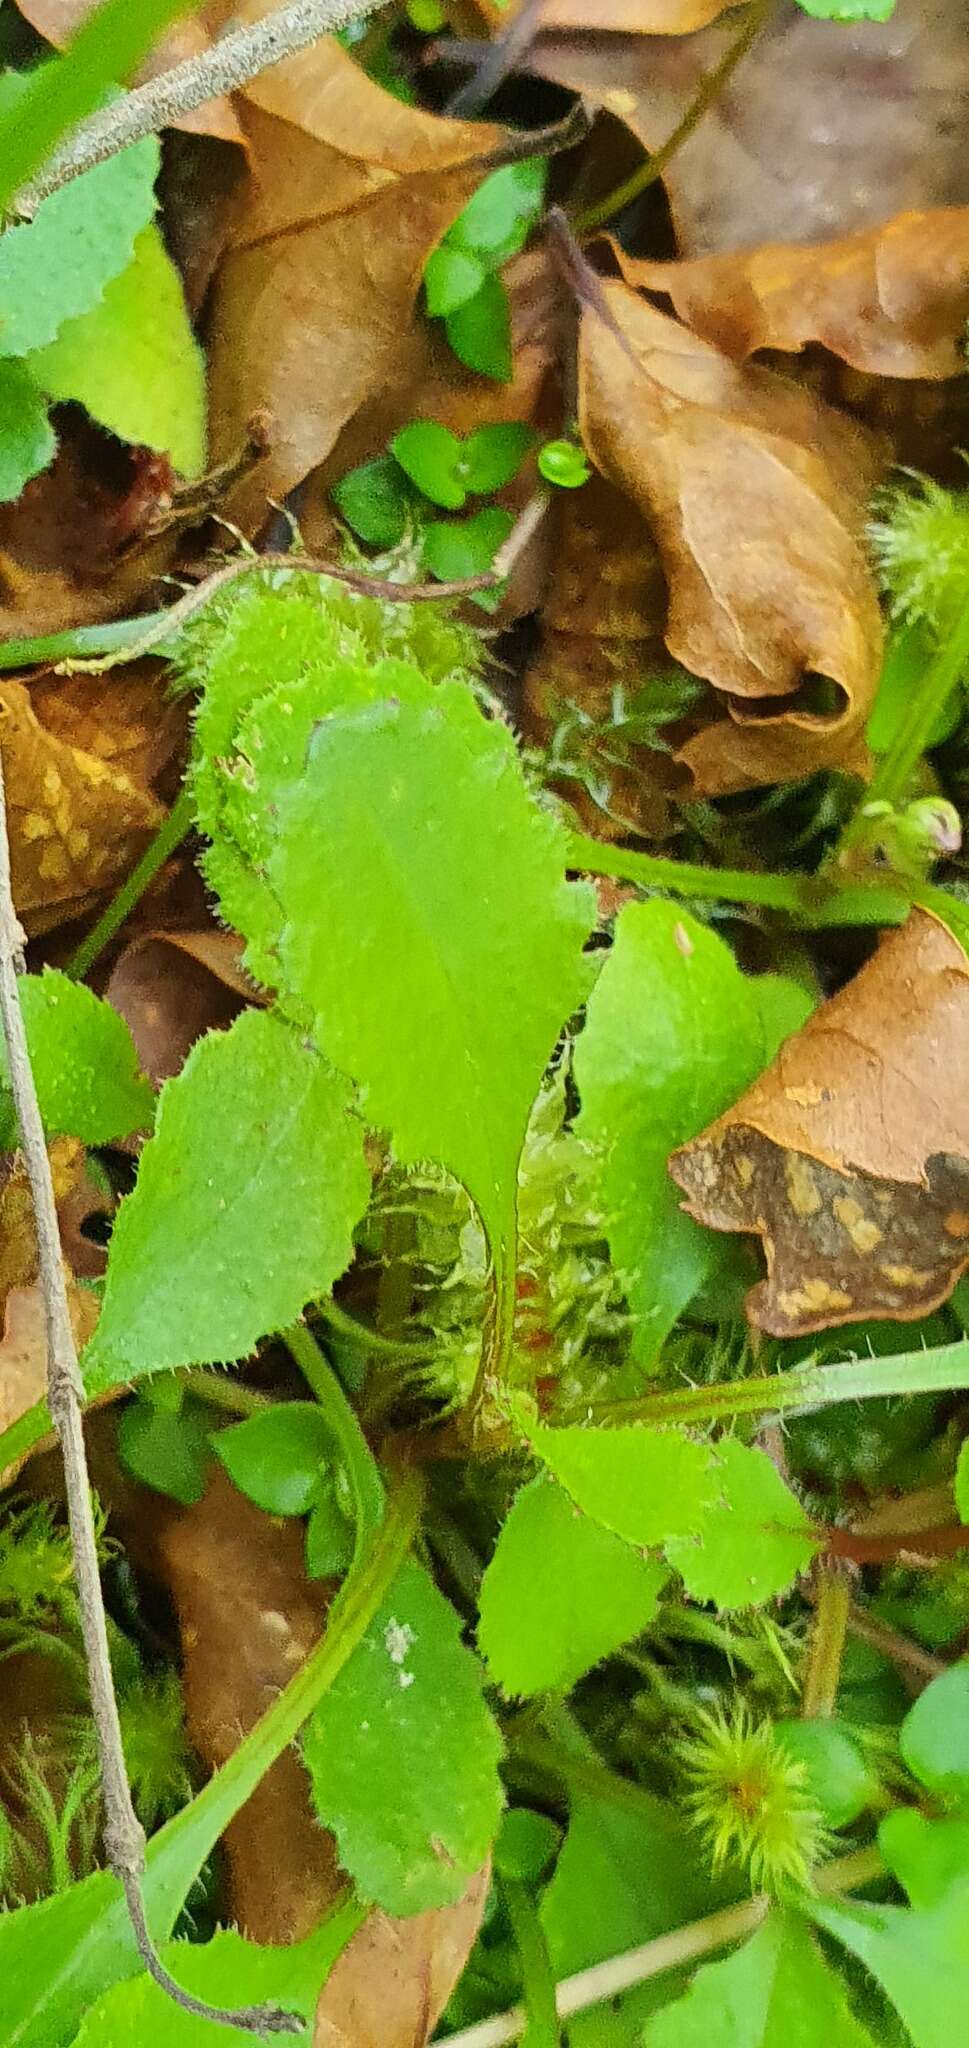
[[77, 822], [891, 300], [755, 492], [850, 1155]]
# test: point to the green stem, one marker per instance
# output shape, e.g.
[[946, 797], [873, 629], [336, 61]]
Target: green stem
[[894, 772], [822, 1677], [813, 901], [354, 1450], [371, 1340], [538, 1976], [942, 1370], [167, 839], [498, 1337], [81, 642], [710, 89], [218, 1391]]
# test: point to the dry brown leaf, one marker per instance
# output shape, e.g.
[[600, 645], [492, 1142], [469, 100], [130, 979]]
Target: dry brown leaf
[[313, 307], [77, 824], [602, 626], [633, 17], [23, 1346], [57, 20], [74, 547], [390, 1986], [891, 300], [850, 1155], [171, 987], [825, 127], [755, 491], [247, 1617]]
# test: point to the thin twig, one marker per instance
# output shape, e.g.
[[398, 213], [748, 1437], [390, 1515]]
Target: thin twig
[[500, 58], [710, 88], [231, 62], [124, 1836], [163, 624]]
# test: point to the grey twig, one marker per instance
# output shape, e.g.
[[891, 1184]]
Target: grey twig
[[124, 1836], [231, 62]]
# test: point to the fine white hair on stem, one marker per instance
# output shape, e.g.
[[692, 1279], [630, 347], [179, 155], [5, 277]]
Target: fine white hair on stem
[[232, 60]]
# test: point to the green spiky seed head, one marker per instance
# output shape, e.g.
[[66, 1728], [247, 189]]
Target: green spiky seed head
[[919, 537], [749, 1800]]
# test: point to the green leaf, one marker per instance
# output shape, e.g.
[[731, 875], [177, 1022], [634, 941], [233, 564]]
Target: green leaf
[[559, 1594], [674, 1033], [927, 1856], [411, 861], [452, 276], [329, 1537], [848, 10], [57, 265], [226, 1971], [85, 1064], [27, 439], [169, 1451], [628, 1872], [920, 1959], [275, 1458], [375, 501], [243, 1209], [755, 1537], [776, 1991], [934, 1736], [526, 1843], [839, 1780], [431, 456], [565, 464], [456, 548], [480, 332], [403, 1755], [496, 219], [646, 1485], [132, 360], [493, 455]]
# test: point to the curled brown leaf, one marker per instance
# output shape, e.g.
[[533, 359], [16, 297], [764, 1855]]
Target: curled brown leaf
[[390, 1986], [850, 1155], [891, 300], [754, 490]]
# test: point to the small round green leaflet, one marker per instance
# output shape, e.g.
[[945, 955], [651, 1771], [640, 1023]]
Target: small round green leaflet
[[480, 332], [275, 1458], [934, 1736], [564, 464], [451, 277], [454, 549], [431, 456], [375, 501]]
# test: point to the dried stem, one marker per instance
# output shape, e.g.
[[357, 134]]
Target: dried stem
[[124, 1836], [669, 1952], [230, 63]]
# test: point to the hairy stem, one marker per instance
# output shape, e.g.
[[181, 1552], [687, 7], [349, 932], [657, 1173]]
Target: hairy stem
[[124, 1836], [166, 841], [538, 1976], [813, 901], [942, 1370], [709, 90], [230, 63], [670, 1952], [826, 1647]]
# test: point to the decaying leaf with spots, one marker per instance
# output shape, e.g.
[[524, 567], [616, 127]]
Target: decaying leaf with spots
[[891, 300], [850, 1155], [77, 823], [755, 492]]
